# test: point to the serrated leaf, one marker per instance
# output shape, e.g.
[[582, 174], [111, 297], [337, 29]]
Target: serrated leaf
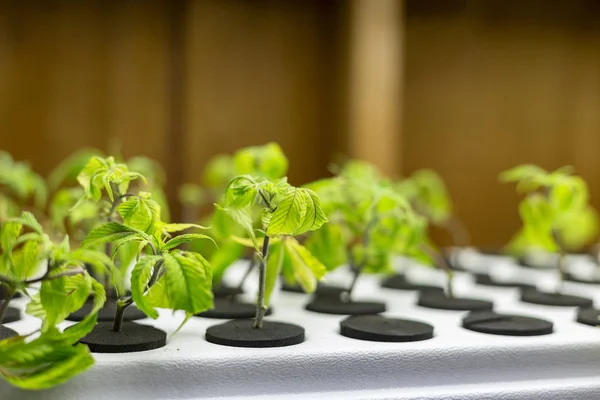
[[307, 269], [61, 296], [86, 325], [289, 215], [188, 279], [188, 237], [139, 283], [111, 231], [172, 228], [140, 213], [70, 363], [242, 217], [314, 217]]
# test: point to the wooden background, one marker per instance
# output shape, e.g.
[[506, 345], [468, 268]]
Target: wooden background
[[468, 87]]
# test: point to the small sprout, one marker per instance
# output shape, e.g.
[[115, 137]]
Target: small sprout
[[554, 202]]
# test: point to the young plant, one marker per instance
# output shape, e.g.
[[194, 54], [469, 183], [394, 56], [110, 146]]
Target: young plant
[[46, 357], [18, 184], [428, 195], [268, 162], [369, 223], [286, 211], [553, 203], [106, 182], [163, 276]]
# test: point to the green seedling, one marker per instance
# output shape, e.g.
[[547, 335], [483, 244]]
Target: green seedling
[[555, 212], [267, 161], [18, 184], [163, 276], [286, 211], [106, 182], [428, 195], [46, 357], [370, 222]]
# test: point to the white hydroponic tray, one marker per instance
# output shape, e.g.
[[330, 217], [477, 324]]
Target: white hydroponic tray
[[455, 364]]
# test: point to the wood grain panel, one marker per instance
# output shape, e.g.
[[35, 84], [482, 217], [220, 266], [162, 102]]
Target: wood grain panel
[[257, 72], [77, 74], [493, 84]]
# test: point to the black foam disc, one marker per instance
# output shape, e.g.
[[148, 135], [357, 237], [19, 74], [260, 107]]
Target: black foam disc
[[524, 263], [323, 289], [4, 293], [506, 324], [224, 291], [132, 338], [377, 328], [571, 278], [437, 299], [399, 282], [291, 288], [329, 305], [535, 296], [231, 309], [588, 316], [242, 333], [107, 313], [11, 315], [486, 280], [6, 333]]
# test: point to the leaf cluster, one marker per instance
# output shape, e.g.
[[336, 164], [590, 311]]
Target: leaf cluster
[[555, 211], [18, 183], [370, 221], [47, 357], [163, 275], [285, 211], [428, 195]]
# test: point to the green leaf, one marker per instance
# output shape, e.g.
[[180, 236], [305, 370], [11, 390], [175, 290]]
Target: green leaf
[[328, 246], [188, 237], [242, 217], [314, 216], [307, 269], [289, 215], [61, 296], [86, 325], [112, 231], [188, 279], [69, 364], [139, 283], [141, 213], [273, 269], [171, 228]]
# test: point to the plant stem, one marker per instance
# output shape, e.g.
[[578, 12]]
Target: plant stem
[[357, 272], [561, 263], [6, 302], [441, 263], [562, 270], [121, 306], [260, 303]]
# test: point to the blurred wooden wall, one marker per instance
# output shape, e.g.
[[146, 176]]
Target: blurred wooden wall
[[491, 84], [476, 86]]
